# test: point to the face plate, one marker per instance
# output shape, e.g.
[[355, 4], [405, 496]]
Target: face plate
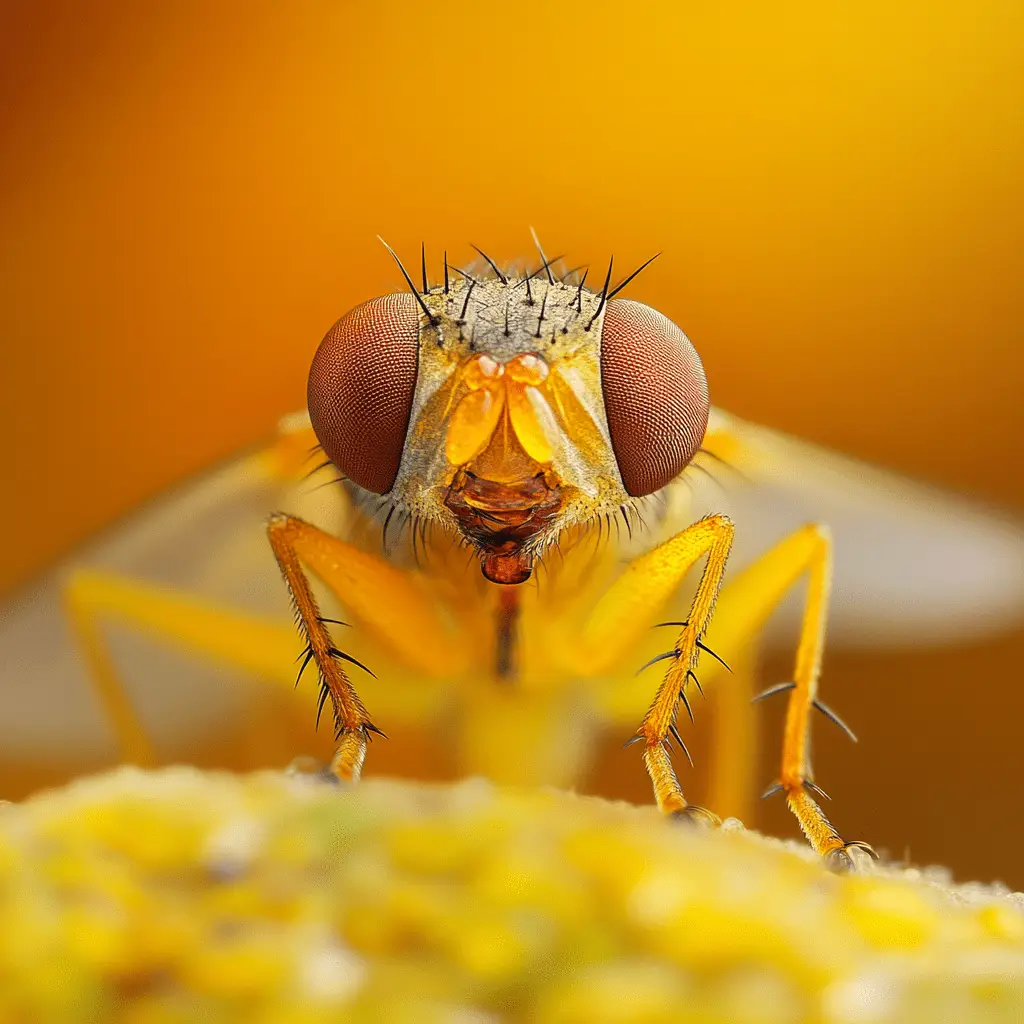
[[533, 349]]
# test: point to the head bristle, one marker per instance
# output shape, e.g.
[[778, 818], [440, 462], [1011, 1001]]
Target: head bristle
[[543, 267], [465, 304], [622, 284], [408, 281], [547, 265], [494, 266], [462, 273], [579, 290], [604, 294], [544, 260]]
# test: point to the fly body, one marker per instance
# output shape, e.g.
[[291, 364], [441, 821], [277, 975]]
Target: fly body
[[514, 414]]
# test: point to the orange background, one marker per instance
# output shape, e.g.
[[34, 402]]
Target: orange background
[[190, 194]]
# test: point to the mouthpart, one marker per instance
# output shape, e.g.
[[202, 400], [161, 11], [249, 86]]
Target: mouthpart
[[500, 519]]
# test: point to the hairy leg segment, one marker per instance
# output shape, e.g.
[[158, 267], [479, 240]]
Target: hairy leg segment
[[739, 614], [384, 599]]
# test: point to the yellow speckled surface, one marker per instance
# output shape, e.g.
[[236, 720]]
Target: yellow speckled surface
[[183, 896]]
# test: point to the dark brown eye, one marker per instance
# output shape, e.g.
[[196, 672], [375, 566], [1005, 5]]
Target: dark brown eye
[[655, 394], [361, 387]]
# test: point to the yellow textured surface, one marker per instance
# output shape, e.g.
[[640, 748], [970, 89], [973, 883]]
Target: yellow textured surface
[[183, 896]]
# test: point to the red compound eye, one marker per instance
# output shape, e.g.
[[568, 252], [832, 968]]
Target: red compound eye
[[655, 394], [361, 387]]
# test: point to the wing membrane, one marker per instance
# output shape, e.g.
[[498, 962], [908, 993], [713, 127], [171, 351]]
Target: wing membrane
[[913, 564]]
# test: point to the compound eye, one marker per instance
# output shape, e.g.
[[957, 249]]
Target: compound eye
[[361, 387], [655, 395]]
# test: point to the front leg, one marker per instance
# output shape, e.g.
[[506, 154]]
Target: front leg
[[624, 612], [745, 604], [352, 721], [711, 536], [392, 605]]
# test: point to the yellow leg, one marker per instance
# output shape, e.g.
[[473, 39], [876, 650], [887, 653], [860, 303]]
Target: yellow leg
[[807, 551], [736, 741], [378, 597], [384, 598], [744, 605], [624, 610], [714, 537], [815, 557], [91, 597]]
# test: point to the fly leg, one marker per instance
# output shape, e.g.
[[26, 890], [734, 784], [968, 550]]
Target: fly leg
[[624, 610], [353, 727], [624, 613], [808, 550], [736, 739], [381, 597], [713, 537], [745, 605]]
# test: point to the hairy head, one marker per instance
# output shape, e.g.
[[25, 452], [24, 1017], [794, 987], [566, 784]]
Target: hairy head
[[508, 406]]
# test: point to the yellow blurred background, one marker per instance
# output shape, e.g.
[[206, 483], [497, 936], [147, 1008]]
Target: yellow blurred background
[[190, 197]]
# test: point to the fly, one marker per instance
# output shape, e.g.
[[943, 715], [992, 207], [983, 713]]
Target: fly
[[514, 413]]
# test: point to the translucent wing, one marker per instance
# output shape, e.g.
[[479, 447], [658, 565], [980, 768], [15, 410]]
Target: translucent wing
[[913, 564], [206, 537]]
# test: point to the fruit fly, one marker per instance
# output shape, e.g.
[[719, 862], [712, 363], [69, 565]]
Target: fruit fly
[[526, 469], [513, 412]]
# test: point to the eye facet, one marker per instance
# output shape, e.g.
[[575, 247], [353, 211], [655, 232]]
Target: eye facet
[[361, 388], [655, 395]]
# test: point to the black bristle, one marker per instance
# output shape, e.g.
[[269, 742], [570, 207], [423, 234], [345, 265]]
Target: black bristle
[[604, 294], [494, 266], [408, 280]]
